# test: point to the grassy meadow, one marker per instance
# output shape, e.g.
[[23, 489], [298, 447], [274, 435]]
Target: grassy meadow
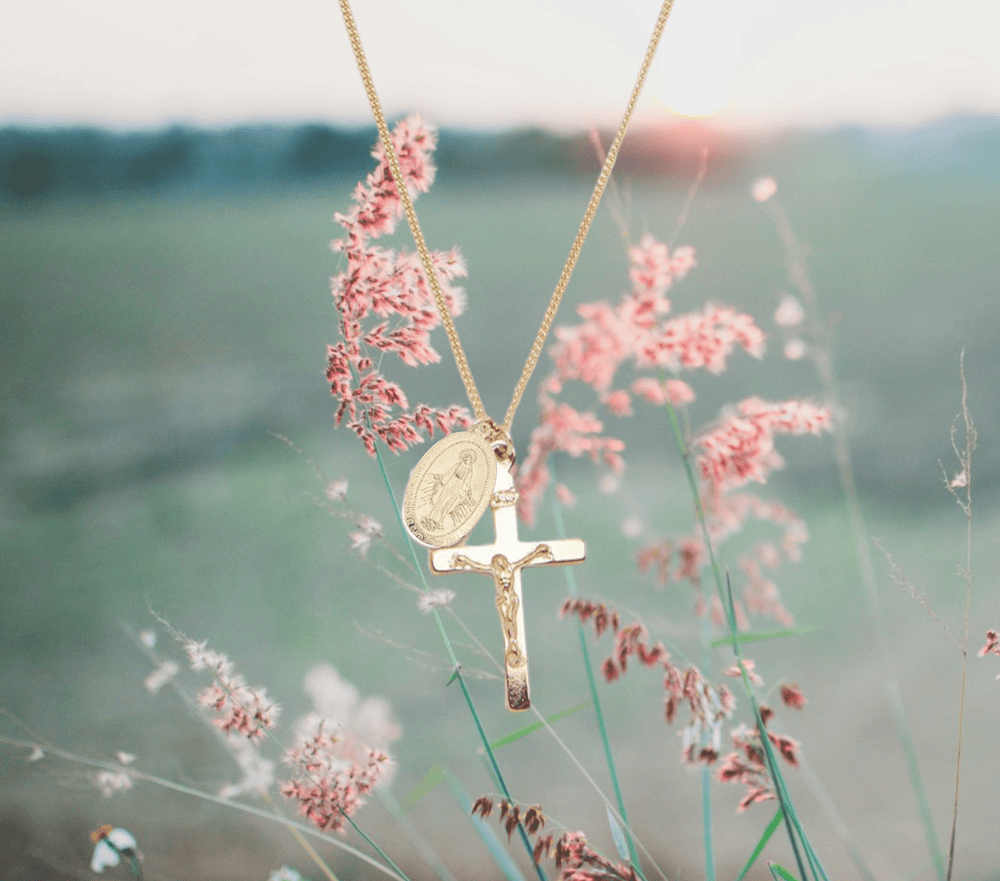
[[157, 351]]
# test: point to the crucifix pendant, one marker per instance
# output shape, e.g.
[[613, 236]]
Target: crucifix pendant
[[503, 561]]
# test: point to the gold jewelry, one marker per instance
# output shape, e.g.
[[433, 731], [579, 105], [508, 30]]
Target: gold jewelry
[[462, 474]]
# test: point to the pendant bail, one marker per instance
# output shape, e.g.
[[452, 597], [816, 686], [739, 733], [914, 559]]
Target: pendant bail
[[497, 437]]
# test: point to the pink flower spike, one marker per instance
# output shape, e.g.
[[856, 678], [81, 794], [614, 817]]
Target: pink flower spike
[[336, 490], [238, 707], [386, 306], [435, 599], [792, 696], [701, 339], [565, 495], [656, 392], [959, 480], [619, 402], [992, 644], [742, 448], [327, 788], [748, 665]]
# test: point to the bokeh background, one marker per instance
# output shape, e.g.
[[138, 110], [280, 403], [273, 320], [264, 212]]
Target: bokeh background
[[168, 176]]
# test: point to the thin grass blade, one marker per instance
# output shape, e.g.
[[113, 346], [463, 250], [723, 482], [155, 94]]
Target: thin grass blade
[[431, 779], [708, 842], [534, 726], [592, 684], [764, 839], [619, 836], [743, 638]]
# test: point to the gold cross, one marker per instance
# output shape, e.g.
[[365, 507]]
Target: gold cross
[[503, 561]]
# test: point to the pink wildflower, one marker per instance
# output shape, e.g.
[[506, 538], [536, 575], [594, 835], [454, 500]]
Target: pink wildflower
[[368, 530], [760, 594], [787, 747], [747, 766], [435, 599], [631, 641], [576, 859], [604, 618], [702, 339], [659, 556], [619, 402], [511, 817], [710, 706], [566, 429], [386, 306], [701, 738], [637, 330], [992, 644], [593, 350], [727, 515], [328, 789], [111, 782], [565, 495], [654, 269], [742, 448], [238, 707], [580, 862], [792, 696], [656, 392], [748, 665], [360, 722], [336, 490]]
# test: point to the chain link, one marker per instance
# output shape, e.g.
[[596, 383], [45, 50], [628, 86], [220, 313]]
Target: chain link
[[574, 252]]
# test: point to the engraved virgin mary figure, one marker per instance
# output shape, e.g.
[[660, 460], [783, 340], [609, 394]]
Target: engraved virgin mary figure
[[451, 494]]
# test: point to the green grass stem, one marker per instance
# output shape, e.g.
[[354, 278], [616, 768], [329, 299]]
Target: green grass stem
[[592, 685], [535, 726], [375, 847], [761, 844], [744, 638], [796, 833], [706, 824]]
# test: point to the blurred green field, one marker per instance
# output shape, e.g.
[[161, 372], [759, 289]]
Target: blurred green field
[[153, 348]]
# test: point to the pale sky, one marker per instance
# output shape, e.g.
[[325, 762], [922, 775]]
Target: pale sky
[[564, 63]]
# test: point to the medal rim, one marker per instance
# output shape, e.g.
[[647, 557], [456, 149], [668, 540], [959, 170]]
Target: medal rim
[[455, 536]]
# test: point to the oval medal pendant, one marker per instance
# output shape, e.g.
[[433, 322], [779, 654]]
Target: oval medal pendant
[[450, 489]]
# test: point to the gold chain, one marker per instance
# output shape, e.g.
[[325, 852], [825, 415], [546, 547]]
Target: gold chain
[[418, 236]]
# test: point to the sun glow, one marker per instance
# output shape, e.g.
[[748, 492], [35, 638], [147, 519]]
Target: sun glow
[[697, 63]]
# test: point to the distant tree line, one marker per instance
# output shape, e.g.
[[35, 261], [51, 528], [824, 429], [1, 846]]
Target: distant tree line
[[39, 163]]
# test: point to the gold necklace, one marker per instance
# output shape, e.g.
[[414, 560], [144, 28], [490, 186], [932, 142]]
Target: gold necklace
[[461, 476]]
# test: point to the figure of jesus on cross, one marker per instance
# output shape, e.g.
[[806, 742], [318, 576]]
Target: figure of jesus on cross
[[503, 561]]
